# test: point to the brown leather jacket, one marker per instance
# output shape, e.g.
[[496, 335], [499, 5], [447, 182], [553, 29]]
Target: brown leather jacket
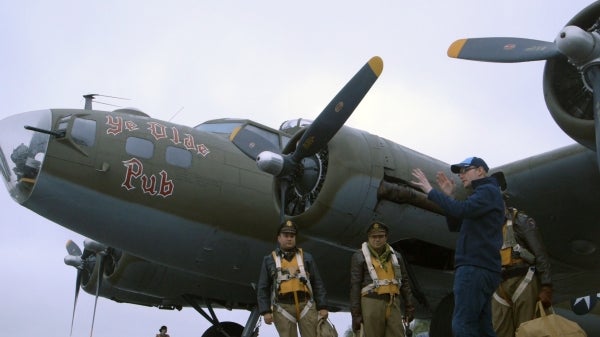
[[528, 236], [360, 277]]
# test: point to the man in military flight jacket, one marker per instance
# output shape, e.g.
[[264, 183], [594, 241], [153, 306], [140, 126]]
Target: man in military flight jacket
[[290, 290], [379, 287]]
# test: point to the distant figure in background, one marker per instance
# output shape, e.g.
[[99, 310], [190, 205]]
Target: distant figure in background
[[525, 271], [162, 332]]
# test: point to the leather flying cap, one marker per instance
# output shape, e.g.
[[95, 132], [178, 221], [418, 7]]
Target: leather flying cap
[[288, 227], [471, 161], [377, 226]]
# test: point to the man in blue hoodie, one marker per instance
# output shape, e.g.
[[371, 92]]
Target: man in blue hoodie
[[479, 220]]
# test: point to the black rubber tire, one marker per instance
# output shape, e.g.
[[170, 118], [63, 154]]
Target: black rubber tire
[[233, 329], [441, 322]]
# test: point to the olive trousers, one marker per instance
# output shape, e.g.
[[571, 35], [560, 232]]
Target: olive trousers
[[506, 319], [287, 328], [375, 323]]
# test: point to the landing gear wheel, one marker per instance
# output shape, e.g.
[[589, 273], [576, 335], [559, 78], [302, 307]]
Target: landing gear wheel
[[441, 322], [231, 328]]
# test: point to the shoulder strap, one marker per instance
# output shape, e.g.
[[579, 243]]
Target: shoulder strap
[[376, 282], [509, 233], [300, 260], [367, 255]]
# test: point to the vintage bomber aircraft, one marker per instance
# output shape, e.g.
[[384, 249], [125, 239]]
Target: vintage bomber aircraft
[[128, 181]]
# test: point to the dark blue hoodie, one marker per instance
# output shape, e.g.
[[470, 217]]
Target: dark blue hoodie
[[479, 220]]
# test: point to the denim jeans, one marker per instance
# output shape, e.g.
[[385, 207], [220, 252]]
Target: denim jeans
[[473, 289]]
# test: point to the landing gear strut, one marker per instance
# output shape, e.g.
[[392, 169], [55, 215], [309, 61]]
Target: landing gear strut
[[225, 329]]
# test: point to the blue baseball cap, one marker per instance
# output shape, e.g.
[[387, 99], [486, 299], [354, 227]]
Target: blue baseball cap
[[471, 161]]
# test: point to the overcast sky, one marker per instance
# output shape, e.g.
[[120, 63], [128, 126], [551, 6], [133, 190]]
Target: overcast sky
[[265, 60]]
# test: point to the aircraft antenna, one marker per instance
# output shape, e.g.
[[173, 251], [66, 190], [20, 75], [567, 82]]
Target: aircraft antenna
[[90, 97], [175, 114]]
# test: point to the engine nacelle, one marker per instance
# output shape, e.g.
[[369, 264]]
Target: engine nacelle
[[567, 96], [127, 278]]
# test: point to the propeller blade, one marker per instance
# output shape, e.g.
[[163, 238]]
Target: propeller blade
[[74, 252], [73, 248], [100, 261], [77, 287], [503, 49], [338, 110], [283, 188]]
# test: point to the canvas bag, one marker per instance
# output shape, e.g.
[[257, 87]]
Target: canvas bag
[[325, 328], [551, 325]]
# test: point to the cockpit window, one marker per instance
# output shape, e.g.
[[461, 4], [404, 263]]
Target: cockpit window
[[84, 132], [284, 141], [222, 128], [294, 125], [270, 136], [139, 147]]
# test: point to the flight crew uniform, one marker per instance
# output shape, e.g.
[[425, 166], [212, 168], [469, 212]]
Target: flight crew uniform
[[291, 288], [377, 281], [525, 269]]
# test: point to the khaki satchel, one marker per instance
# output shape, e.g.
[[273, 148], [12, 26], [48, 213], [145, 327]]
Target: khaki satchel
[[325, 328], [551, 325]]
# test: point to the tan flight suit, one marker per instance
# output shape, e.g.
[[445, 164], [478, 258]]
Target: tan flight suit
[[379, 307], [509, 310], [293, 296], [287, 328]]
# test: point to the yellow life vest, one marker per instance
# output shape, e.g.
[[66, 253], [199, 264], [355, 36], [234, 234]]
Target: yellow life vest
[[291, 275], [506, 252], [386, 273], [385, 280]]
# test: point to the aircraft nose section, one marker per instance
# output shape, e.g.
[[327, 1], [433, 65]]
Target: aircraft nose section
[[22, 151]]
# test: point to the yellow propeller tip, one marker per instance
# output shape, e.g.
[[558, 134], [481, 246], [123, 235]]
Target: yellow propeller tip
[[376, 64], [456, 47]]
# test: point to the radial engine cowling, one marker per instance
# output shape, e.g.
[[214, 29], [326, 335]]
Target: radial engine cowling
[[568, 98]]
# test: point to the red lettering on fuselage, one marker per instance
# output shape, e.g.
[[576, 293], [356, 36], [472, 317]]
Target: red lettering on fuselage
[[158, 131], [130, 126], [175, 138], [134, 171], [148, 183], [166, 186], [115, 125], [188, 142], [203, 150]]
